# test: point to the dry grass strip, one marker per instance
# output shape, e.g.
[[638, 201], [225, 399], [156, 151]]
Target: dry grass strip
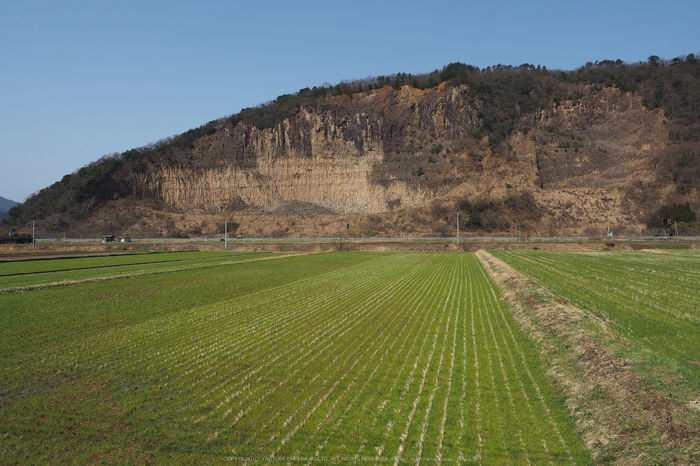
[[623, 417]]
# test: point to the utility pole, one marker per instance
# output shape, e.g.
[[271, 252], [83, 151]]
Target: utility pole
[[518, 231], [457, 228], [226, 233], [33, 236]]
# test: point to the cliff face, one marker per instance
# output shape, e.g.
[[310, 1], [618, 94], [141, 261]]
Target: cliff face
[[362, 155], [347, 159], [615, 131], [321, 159], [403, 159]]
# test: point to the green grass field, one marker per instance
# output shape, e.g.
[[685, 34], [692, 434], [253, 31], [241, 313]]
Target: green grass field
[[651, 299], [55, 265], [46, 272], [357, 357]]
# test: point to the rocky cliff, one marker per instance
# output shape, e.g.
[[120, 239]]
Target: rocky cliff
[[571, 155], [361, 161], [356, 161]]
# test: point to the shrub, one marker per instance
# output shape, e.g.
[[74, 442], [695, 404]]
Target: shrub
[[474, 219], [681, 213], [17, 238]]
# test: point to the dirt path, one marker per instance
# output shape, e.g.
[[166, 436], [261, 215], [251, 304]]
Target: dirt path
[[622, 416]]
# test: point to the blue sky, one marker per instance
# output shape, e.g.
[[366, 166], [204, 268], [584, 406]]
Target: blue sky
[[81, 79]]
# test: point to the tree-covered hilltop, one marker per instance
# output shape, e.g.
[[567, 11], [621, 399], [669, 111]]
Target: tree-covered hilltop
[[505, 99], [504, 93]]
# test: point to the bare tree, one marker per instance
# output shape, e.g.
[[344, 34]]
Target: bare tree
[[339, 240]]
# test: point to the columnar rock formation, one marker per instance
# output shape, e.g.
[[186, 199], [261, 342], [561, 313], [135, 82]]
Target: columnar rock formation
[[346, 162], [402, 155], [361, 155]]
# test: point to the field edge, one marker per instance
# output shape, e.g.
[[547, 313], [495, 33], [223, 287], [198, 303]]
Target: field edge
[[621, 415]]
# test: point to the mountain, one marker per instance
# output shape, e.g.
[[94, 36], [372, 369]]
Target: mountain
[[5, 205], [552, 151]]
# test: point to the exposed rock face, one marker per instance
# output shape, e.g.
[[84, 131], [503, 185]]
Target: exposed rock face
[[507, 147], [347, 162], [387, 149], [618, 131]]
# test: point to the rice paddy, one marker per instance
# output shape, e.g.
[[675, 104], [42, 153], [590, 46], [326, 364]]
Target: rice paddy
[[338, 357], [386, 358]]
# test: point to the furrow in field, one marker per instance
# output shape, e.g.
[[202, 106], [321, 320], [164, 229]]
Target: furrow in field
[[476, 401], [441, 439], [308, 358], [331, 390], [652, 300], [494, 426], [417, 400], [506, 384], [145, 334], [280, 334], [545, 410], [421, 295], [387, 351], [436, 386], [364, 431], [362, 362], [637, 288], [396, 405], [330, 413]]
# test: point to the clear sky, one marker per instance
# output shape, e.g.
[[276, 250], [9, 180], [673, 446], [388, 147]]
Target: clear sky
[[81, 79]]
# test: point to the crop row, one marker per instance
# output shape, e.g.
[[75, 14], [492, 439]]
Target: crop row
[[43, 318], [86, 272], [654, 299], [404, 357], [77, 263]]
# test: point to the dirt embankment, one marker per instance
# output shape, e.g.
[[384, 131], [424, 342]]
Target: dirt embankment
[[622, 416]]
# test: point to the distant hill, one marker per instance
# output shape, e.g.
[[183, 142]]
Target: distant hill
[[5, 205], [508, 148]]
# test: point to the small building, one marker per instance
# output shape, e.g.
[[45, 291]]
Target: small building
[[107, 238], [125, 239]]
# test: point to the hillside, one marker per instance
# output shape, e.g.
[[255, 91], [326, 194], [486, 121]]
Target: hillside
[[5, 205], [561, 152]]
